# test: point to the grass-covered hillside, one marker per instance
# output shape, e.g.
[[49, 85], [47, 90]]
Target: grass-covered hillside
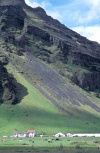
[[36, 112]]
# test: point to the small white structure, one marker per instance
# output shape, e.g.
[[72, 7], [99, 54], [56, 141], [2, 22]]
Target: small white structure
[[69, 135], [31, 133], [41, 135], [15, 135], [86, 135], [19, 135], [5, 136], [59, 135], [97, 135]]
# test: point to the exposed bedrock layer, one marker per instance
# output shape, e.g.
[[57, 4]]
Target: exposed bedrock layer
[[11, 2], [87, 80], [25, 29]]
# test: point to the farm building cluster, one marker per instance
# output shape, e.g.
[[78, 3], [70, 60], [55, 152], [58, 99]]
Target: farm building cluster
[[32, 133], [28, 134], [77, 135]]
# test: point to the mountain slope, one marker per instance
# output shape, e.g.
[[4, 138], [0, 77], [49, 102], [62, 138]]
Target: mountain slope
[[52, 58], [36, 112]]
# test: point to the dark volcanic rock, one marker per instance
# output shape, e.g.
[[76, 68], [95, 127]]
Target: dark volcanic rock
[[11, 2], [84, 61], [11, 16], [10, 89], [38, 32], [52, 40], [7, 94], [9, 38], [87, 80]]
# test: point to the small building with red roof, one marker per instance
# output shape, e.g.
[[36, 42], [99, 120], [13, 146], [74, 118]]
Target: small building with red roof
[[31, 133]]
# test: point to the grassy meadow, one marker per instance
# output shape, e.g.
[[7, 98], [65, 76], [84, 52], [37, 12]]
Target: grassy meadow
[[82, 145]]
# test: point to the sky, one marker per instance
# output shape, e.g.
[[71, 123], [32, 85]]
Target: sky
[[83, 16]]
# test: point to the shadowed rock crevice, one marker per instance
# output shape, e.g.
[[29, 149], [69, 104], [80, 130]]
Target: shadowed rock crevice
[[11, 92], [12, 17], [21, 92], [89, 81]]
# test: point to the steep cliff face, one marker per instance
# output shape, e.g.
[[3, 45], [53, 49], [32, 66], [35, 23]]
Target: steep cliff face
[[11, 2], [11, 17], [71, 48], [24, 29], [87, 80], [7, 86]]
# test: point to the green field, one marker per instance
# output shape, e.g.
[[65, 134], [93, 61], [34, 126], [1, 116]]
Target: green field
[[42, 144]]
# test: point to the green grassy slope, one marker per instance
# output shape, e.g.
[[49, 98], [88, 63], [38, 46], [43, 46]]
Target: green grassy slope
[[36, 112]]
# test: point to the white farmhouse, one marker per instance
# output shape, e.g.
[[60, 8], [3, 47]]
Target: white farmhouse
[[31, 133]]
